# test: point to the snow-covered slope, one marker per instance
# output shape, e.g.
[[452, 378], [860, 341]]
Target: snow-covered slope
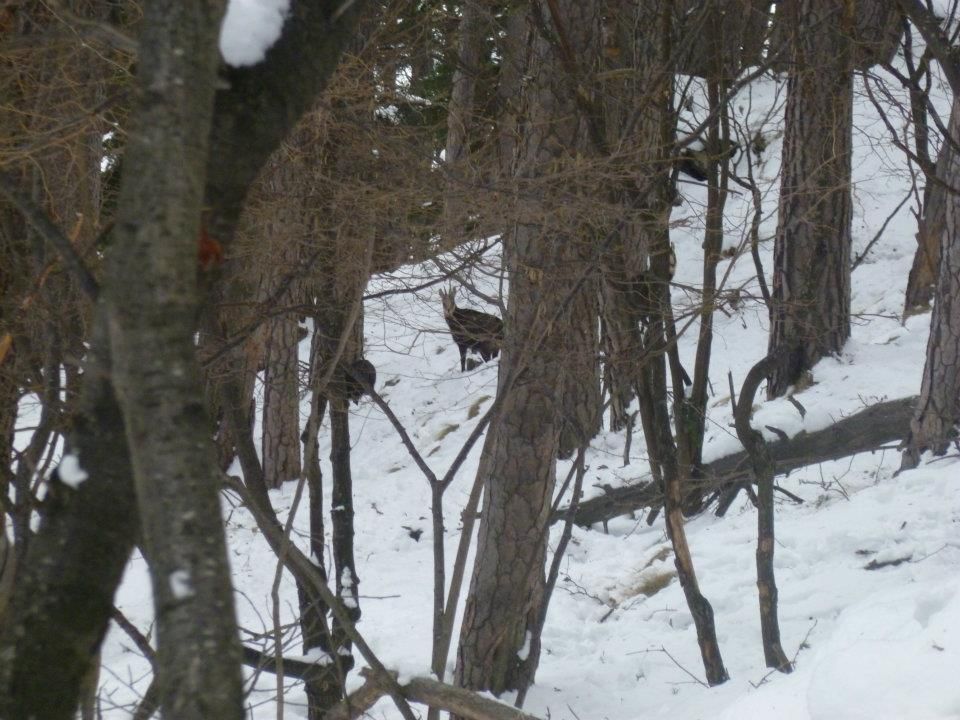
[[619, 642]]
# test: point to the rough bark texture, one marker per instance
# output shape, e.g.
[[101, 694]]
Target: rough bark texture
[[507, 584], [156, 373], [633, 116], [876, 33], [922, 281], [863, 432], [580, 381], [938, 411], [61, 603], [763, 470], [810, 309], [281, 388]]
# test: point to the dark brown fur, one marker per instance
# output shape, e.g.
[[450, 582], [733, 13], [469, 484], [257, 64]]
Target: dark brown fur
[[471, 329]]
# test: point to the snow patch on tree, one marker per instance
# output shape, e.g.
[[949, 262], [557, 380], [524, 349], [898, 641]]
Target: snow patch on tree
[[181, 585], [250, 28], [70, 472]]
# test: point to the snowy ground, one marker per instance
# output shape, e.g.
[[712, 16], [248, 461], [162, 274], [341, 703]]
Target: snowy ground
[[619, 642]]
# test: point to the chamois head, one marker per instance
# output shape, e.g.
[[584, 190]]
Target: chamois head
[[448, 299]]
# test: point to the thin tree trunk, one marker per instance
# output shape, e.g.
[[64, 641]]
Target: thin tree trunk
[[461, 167], [694, 411], [763, 471], [325, 691], [341, 513], [810, 309]]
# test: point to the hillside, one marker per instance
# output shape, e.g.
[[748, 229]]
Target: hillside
[[619, 641]]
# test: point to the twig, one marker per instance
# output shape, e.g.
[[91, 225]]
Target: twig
[[879, 233], [45, 227]]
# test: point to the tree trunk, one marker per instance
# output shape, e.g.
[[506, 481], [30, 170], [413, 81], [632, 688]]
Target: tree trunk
[[498, 648], [325, 691], [60, 607], [460, 166], [876, 32], [580, 381], [763, 471], [281, 402], [810, 309], [693, 412], [922, 279], [634, 121], [341, 514], [938, 410], [156, 373]]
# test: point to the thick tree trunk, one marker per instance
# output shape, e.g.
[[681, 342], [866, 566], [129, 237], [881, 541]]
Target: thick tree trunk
[[634, 126], [156, 373], [580, 382], [810, 309], [281, 402], [498, 647], [934, 424], [876, 32], [60, 606]]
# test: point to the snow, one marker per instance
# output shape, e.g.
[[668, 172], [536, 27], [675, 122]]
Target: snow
[[250, 28], [70, 472], [869, 638], [181, 585]]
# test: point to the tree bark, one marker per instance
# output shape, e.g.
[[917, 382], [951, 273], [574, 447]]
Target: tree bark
[[934, 424], [156, 373], [810, 309], [82, 553], [497, 649], [863, 432], [61, 602], [281, 402], [326, 689], [763, 470], [922, 279]]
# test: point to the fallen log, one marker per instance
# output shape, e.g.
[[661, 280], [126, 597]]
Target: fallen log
[[863, 432]]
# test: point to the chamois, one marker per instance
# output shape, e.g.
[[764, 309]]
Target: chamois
[[354, 378], [471, 329]]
